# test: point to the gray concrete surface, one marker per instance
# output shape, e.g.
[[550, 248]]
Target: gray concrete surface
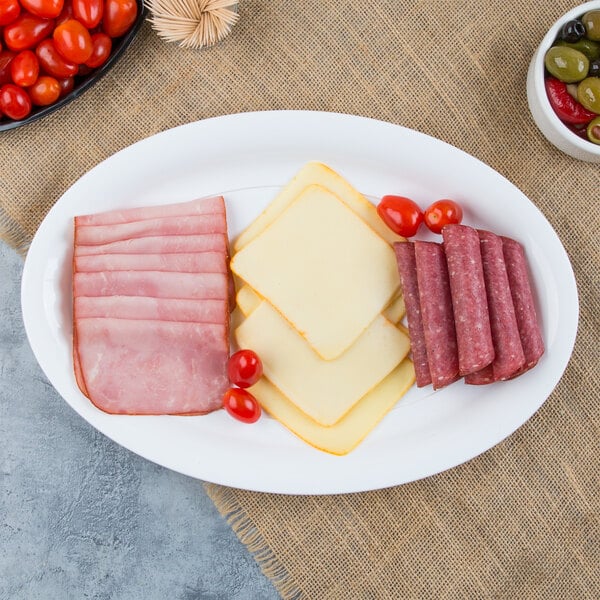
[[83, 518]]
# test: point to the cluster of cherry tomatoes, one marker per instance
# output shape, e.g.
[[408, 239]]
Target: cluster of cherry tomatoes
[[244, 369], [45, 44], [404, 216]]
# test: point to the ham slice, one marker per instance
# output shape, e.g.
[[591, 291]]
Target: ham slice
[[202, 206], [156, 284], [189, 262], [163, 244], [153, 367], [87, 235]]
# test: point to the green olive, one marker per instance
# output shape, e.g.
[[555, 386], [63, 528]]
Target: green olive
[[588, 47], [593, 130], [588, 94], [591, 22], [566, 64]]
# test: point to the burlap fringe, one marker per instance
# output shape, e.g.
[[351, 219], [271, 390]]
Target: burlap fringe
[[236, 517], [13, 234]]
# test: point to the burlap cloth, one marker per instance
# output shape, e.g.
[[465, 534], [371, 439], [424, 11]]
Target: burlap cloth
[[520, 521]]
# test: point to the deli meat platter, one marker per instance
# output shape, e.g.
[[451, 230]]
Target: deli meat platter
[[247, 159]]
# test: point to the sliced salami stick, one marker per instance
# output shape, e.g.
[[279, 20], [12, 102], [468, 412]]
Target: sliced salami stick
[[509, 357], [481, 377], [469, 299], [436, 312], [407, 269], [522, 295]]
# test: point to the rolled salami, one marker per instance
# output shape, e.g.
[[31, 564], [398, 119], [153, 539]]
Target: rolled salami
[[469, 299], [524, 304], [407, 269], [436, 313]]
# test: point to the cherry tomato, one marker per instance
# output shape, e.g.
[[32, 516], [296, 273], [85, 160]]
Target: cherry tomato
[[27, 31], [9, 11], [52, 63], [88, 12], [119, 16], [442, 212], [6, 57], [66, 85], [65, 14], [47, 9], [24, 68], [45, 91], [402, 215], [73, 41], [241, 405], [15, 103], [102, 45], [244, 368]]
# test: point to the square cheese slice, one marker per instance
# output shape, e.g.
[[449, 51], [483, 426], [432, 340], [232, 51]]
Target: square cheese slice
[[349, 431], [324, 390], [323, 268], [317, 173]]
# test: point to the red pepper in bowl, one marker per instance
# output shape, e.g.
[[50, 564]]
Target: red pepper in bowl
[[567, 109]]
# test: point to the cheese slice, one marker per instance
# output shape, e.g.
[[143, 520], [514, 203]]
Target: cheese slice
[[323, 268], [247, 300], [324, 390], [317, 173], [349, 431], [394, 311]]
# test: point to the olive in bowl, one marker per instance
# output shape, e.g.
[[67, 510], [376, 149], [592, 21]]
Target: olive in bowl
[[563, 83], [52, 51]]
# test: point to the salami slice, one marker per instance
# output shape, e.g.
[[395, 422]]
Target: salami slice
[[436, 312], [407, 269], [196, 262], [469, 298], [200, 206], [524, 303]]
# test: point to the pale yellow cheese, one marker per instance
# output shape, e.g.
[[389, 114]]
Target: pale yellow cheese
[[324, 390], [323, 268], [394, 311], [349, 431], [247, 300], [317, 173]]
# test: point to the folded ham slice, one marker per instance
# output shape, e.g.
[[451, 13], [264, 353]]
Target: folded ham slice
[[188, 262], [202, 206], [153, 367]]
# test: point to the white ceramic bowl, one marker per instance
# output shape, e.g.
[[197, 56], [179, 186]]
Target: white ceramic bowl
[[543, 115]]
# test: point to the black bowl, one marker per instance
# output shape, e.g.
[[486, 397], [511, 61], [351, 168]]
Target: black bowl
[[84, 83]]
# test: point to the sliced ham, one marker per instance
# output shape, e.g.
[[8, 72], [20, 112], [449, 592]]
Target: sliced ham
[[153, 367], [469, 298], [88, 235], [202, 206], [156, 284], [163, 244], [436, 312], [207, 262], [407, 269], [152, 309]]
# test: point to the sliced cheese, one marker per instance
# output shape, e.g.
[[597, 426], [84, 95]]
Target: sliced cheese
[[347, 433], [324, 390], [317, 173], [323, 268], [395, 310], [247, 300]]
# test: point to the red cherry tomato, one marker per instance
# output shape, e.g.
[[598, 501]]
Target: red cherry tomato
[[88, 12], [102, 45], [65, 14], [25, 68], [15, 103], [73, 41], [45, 91], [52, 63], [244, 368], [9, 11], [6, 57], [241, 405], [441, 213], [27, 31], [47, 9], [402, 215], [66, 85], [119, 16]]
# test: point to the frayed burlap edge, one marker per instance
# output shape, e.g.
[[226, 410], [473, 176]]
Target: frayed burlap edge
[[227, 504], [13, 234]]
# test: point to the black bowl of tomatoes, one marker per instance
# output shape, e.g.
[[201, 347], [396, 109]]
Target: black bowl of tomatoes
[[51, 51]]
